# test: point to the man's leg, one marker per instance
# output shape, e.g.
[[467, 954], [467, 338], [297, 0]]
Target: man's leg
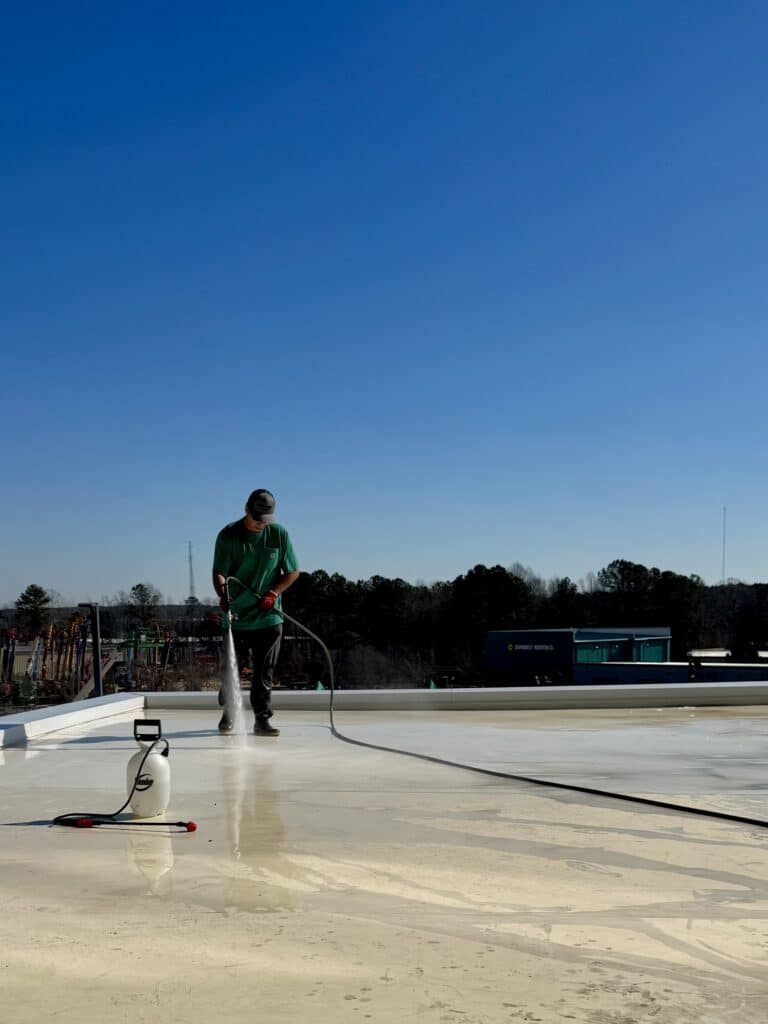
[[265, 650], [244, 647]]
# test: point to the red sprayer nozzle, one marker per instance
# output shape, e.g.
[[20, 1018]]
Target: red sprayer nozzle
[[191, 826]]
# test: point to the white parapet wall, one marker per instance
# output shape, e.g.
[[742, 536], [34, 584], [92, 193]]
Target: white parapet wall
[[641, 695], [17, 730]]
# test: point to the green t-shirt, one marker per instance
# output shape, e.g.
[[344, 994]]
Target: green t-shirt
[[257, 560]]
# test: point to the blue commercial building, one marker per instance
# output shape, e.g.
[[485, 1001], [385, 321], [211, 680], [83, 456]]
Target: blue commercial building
[[555, 656]]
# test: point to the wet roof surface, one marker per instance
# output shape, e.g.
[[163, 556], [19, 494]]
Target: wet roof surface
[[327, 882]]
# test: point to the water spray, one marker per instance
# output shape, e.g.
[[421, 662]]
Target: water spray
[[231, 695]]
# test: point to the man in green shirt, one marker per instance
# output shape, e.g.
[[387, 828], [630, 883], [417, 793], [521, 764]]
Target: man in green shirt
[[257, 551]]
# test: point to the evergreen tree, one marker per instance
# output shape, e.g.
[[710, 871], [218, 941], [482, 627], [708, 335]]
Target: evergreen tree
[[32, 608]]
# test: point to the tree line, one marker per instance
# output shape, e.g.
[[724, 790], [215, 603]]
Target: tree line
[[414, 626], [445, 623], [35, 608]]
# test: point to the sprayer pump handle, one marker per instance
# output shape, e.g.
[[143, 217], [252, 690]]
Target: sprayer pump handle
[[147, 729]]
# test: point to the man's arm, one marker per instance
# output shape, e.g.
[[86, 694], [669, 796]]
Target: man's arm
[[285, 581], [222, 561], [281, 584], [218, 585]]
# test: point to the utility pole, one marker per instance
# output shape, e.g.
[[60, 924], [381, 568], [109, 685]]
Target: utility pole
[[722, 576], [191, 577], [93, 611]]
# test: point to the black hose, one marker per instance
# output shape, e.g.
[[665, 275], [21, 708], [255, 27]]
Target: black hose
[[569, 787]]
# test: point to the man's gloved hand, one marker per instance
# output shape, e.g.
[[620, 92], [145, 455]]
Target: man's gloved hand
[[268, 601]]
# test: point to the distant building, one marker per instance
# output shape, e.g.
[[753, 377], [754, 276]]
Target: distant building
[[631, 654], [552, 656]]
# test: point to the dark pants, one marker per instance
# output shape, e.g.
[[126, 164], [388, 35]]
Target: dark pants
[[259, 649]]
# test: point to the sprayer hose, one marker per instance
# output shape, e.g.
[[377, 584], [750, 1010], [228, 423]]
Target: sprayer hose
[[567, 786]]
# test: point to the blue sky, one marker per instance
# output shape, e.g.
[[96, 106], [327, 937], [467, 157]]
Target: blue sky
[[459, 282]]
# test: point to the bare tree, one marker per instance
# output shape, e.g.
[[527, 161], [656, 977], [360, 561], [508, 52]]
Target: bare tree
[[144, 600]]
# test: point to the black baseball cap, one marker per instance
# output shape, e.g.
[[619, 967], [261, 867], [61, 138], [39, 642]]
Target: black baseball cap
[[261, 505]]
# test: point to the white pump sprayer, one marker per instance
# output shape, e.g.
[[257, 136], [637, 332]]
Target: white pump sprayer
[[149, 774]]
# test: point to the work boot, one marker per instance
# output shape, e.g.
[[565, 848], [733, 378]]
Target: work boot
[[261, 727], [225, 725]]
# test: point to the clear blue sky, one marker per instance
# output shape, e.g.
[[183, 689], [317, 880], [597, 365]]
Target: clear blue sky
[[460, 282]]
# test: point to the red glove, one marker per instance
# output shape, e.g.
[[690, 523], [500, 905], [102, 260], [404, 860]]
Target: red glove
[[268, 601]]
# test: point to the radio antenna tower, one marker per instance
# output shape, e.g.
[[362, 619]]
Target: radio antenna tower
[[191, 575]]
